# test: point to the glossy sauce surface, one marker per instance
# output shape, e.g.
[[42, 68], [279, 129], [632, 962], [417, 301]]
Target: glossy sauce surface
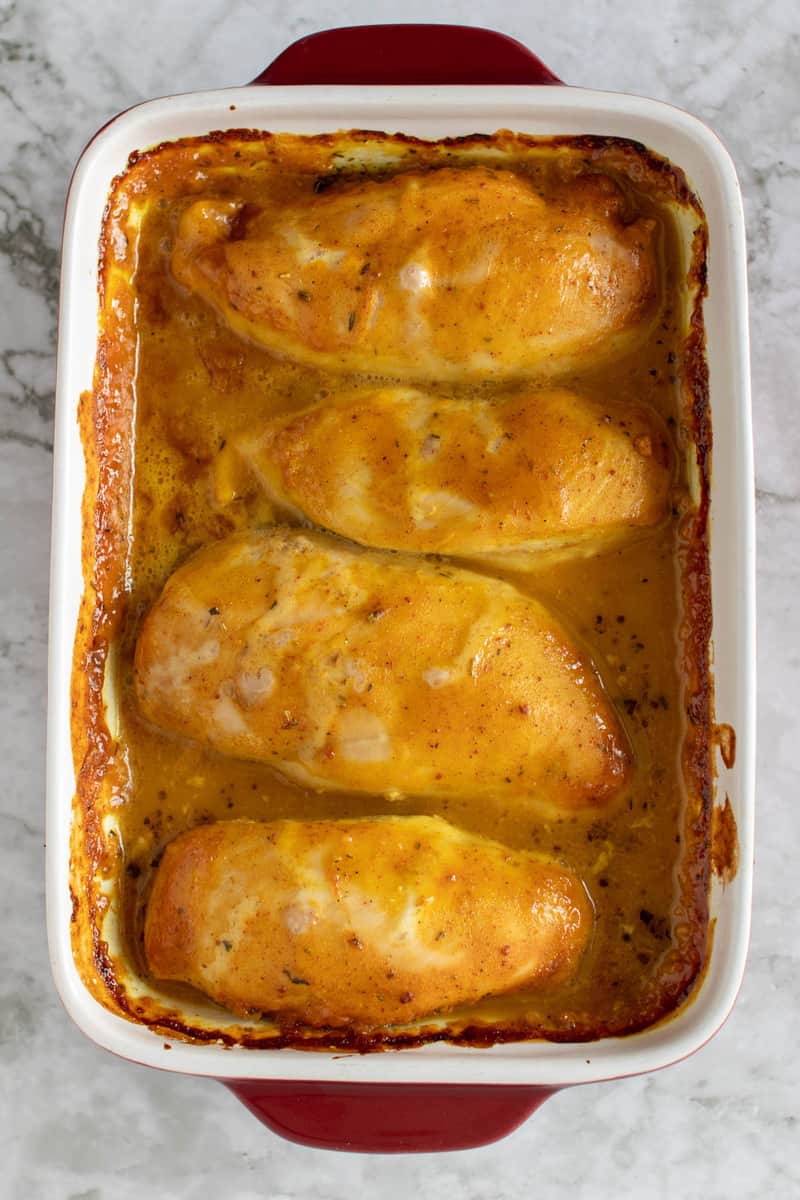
[[392, 675], [197, 387], [493, 479], [450, 275], [359, 923]]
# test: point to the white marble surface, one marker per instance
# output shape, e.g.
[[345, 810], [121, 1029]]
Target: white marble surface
[[77, 1124]]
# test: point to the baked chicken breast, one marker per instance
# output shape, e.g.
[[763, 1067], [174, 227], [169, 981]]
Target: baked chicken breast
[[453, 274], [407, 470], [361, 671], [359, 923]]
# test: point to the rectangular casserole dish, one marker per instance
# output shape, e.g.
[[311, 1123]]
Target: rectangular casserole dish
[[520, 1075]]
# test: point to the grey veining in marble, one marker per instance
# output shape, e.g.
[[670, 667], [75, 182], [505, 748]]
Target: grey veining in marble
[[76, 1124]]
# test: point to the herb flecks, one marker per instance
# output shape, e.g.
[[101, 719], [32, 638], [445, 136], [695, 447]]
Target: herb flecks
[[295, 978]]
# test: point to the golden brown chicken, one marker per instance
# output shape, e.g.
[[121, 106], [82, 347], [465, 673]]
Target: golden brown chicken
[[356, 670], [359, 922], [449, 274], [407, 470]]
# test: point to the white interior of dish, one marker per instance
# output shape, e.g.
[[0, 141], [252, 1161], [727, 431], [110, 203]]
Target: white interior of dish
[[429, 112]]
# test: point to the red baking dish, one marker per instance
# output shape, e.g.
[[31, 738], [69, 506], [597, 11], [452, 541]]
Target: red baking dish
[[435, 1097]]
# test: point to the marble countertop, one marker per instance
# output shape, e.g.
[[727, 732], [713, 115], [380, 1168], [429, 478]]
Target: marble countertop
[[77, 1124]]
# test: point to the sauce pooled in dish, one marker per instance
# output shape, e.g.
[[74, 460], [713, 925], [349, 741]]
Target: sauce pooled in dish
[[328, 368]]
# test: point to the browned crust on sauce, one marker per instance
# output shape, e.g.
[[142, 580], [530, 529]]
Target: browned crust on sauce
[[696, 585], [639, 162], [106, 417]]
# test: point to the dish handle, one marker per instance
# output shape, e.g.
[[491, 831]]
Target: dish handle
[[388, 1118], [407, 54]]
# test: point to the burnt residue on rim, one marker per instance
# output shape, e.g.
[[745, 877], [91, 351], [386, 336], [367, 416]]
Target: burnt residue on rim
[[694, 554], [724, 842], [294, 1036], [639, 159], [106, 417]]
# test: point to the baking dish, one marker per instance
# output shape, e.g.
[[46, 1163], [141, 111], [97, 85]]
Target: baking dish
[[427, 1098]]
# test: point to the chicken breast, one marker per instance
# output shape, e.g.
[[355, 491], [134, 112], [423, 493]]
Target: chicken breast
[[359, 922], [359, 671], [407, 470], [448, 274]]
